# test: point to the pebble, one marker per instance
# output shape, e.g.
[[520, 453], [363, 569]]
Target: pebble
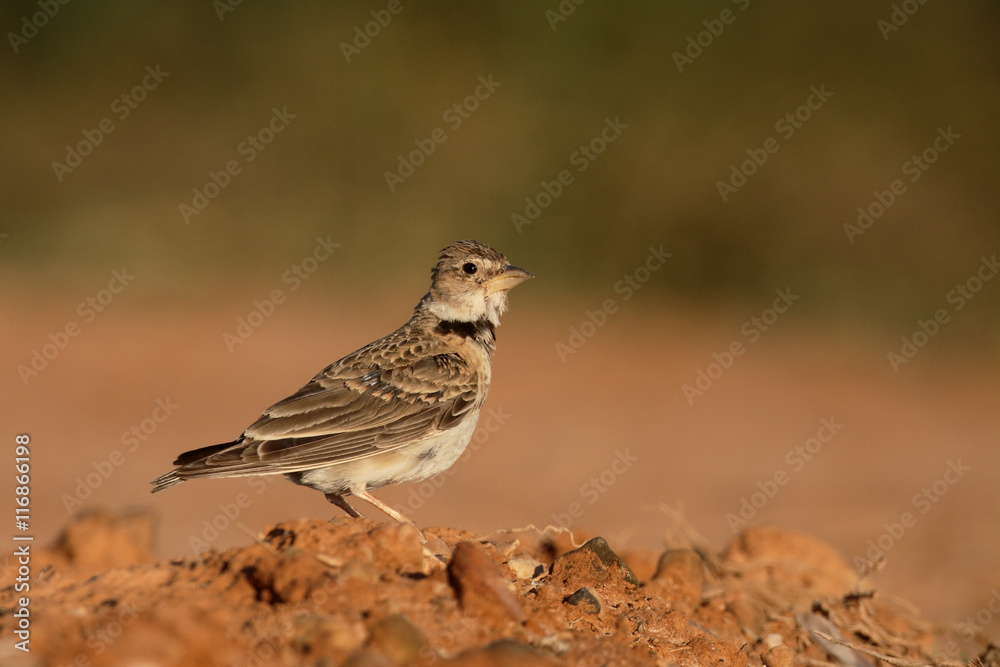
[[503, 653], [585, 599], [557, 644], [611, 561], [526, 568], [320, 632], [477, 581], [396, 637], [438, 548], [358, 570], [505, 547], [682, 565]]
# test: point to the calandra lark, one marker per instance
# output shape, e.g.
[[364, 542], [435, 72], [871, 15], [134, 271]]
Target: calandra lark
[[400, 409]]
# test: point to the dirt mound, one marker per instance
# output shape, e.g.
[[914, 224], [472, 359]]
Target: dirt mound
[[355, 592]]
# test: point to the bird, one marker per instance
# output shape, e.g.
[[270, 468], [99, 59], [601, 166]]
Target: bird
[[400, 409]]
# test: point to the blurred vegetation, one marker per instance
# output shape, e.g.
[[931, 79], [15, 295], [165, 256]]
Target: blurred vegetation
[[656, 184]]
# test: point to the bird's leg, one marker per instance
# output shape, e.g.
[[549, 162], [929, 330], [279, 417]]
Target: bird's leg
[[431, 560], [372, 500], [340, 502]]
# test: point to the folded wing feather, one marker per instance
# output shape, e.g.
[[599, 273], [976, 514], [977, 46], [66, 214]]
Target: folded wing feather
[[349, 411]]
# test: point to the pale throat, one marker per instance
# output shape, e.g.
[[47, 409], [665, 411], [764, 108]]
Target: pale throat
[[470, 307]]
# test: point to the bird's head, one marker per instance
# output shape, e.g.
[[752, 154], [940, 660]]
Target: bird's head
[[470, 282]]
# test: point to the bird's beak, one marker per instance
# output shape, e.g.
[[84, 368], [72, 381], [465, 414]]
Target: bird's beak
[[511, 277]]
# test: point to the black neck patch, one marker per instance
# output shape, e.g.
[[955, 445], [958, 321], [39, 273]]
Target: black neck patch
[[476, 329]]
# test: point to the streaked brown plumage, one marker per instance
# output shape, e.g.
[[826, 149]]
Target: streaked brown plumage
[[402, 408]]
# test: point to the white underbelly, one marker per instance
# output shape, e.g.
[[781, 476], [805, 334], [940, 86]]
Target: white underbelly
[[424, 458]]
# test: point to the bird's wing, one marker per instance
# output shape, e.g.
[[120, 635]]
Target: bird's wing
[[357, 407]]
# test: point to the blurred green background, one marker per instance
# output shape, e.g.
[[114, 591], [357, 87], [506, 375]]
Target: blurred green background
[[656, 184]]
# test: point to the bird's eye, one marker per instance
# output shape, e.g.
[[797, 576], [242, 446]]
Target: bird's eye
[[470, 268]]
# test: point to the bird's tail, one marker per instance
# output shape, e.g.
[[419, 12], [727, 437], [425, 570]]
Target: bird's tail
[[174, 477], [166, 481]]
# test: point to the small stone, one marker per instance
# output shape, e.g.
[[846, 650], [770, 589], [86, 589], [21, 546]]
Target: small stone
[[608, 562], [557, 644], [526, 568], [780, 656], [359, 570], [585, 599], [478, 583], [503, 653], [505, 547], [438, 548], [319, 634], [396, 637], [330, 561], [682, 565], [603, 550]]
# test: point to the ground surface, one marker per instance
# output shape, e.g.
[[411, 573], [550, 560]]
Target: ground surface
[[604, 442], [354, 592]]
